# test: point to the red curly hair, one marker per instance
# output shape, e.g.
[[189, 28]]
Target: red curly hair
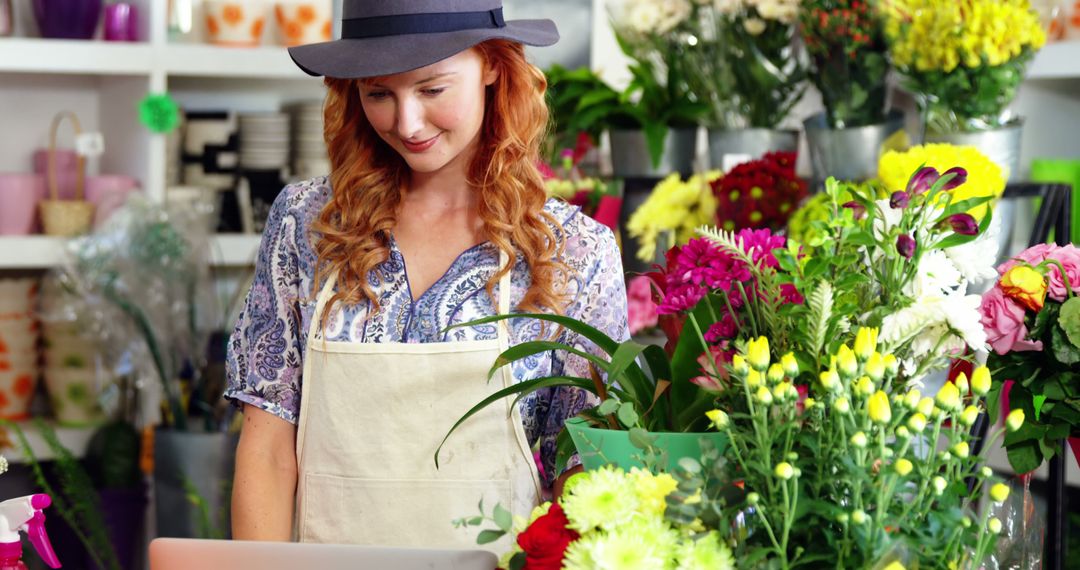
[[353, 229]]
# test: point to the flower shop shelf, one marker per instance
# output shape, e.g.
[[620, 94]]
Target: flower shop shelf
[[43, 252], [1059, 60], [32, 55], [74, 439]]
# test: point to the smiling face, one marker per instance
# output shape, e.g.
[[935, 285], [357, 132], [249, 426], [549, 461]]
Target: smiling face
[[431, 116]]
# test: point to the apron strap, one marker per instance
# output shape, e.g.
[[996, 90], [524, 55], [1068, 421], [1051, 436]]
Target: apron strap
[[504, 303], [325, 293]]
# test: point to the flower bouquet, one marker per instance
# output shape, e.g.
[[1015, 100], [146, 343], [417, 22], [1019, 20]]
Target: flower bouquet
[[655, 34], [860, 473], [963, 59], [760, 193], [672, 213], [1032, 319], [846, 43]]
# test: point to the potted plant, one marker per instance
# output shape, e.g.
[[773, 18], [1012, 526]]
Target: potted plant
[[845, 40], [654, 131], [964, 65], [581, 106], [748, 65]]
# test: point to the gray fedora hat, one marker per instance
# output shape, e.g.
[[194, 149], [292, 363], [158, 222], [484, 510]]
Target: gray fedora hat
[[382, 37]]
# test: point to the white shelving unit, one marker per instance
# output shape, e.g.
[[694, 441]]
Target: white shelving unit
[[103, 82]]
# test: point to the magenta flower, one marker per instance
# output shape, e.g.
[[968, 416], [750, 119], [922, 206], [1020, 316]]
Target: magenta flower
[[960, 178], [963, 224], [857, 208], [905, 244], [899, 199], [922, 180]]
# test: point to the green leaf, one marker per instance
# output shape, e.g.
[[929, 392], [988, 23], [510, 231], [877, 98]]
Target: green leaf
[[503, 519], [475, 521], [525, 387], [518, 561], [603, 341], [627, 415], [1064, 350], [526, 349], [655, 133], [488, 536], [1069, 319], [1038, 402], [641, 439], [608, 407], [564, 449]]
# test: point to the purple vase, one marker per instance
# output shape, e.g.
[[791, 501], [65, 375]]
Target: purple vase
[[67, 19]]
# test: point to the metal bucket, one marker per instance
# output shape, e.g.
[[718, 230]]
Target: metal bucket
[[1002, 146], [848, 154], [186, 464], [728, 147], [630, 153]]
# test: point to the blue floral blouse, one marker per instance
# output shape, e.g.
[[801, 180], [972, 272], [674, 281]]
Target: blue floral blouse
[[266, 350]]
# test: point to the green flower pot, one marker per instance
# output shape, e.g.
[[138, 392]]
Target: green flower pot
[[598, 447]]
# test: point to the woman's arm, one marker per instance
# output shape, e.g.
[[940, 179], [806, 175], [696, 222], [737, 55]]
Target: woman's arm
[[264, 487]]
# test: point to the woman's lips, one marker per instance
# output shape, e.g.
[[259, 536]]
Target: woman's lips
[[422, 145]]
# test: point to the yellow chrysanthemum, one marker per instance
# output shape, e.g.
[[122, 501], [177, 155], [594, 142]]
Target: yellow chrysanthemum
[[674, 208], [600, 498], [652, 491], [706, 553], [984, 178]]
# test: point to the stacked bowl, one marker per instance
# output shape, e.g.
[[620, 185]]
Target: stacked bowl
[[18, 347], [72, 366], [264, 141], [309, 147]]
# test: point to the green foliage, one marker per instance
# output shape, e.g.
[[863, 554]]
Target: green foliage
[[969, 99], [211, 527], [75, 501]]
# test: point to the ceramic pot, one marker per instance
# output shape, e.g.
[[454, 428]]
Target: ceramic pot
[[67, 19], [598, 447]]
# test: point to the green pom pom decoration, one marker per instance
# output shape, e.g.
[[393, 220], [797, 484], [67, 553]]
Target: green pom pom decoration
[[159, 112]]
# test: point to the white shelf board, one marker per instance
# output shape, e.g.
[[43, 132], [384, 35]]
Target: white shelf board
[[34, 55], [1058, 60], [44, 252], [76, 440], [202, 60]]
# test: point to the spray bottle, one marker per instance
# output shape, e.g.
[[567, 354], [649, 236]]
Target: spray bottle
[[24, 514]]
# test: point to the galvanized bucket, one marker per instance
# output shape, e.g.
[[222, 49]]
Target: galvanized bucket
[[729, 147], [848, 154], [1002, 146], [630, 153]]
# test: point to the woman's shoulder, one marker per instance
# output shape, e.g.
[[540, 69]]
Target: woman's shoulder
[[573, 222], [302, 200]]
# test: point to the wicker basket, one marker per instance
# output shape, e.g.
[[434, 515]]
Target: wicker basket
[[65, 217]]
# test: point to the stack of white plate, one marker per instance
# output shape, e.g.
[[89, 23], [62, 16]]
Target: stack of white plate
[[264, 141], [309, 147], [18, 347]]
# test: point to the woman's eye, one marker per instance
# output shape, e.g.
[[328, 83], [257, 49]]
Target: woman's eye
[[433, 91], [377, 95]]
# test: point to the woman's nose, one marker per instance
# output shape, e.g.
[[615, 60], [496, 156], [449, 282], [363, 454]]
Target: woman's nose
[[410, 118]]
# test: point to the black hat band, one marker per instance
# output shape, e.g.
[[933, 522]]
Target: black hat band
[[431, 23]]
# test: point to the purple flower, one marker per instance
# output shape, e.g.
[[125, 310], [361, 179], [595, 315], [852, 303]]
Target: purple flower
[[905, 244], [963, 224], [858, 209], [922, 180], [899, 199], [960, 178]]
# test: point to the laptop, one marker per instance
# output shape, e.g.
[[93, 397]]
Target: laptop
[[197, 554]]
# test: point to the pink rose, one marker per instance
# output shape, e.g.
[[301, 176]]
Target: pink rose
[[1069, 256], [1003, 320], [641, 309]]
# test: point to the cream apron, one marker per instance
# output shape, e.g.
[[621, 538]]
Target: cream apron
[[371, 416]]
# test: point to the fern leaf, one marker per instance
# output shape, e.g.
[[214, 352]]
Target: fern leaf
[[821, 305]]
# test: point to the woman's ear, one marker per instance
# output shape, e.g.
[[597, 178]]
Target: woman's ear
[[490, 74]]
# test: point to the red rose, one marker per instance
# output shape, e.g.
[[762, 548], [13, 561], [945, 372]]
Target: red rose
[[546, 539]]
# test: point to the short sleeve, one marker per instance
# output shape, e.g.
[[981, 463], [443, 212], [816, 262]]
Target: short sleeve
[[600, 301], [265, 355]]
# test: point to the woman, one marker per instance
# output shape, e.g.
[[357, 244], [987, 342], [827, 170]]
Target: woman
[[434, 215]]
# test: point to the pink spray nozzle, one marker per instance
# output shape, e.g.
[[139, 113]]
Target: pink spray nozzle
[[35, 531], [40, 501]]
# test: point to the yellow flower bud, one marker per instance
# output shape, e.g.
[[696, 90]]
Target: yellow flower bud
[[926, 407], [917, 422], [902, 432], [892, 365], [738, 365], [865, 343], [875, 367], [1015, 420], [948, 397], [1025, 286], [843, 518], [758, 353], [864, 387], [939, 484], [784, 470], [809, 403], [911, 399], [791, 366], [776, 373], [753, 378], [846, 362], [859, 440], [719, 418], [969, 415], [858, 516], [980, 381], [961, 450], [830, 380], [903, 467], [994, 525], [763, 395], [999, 493], [878, 407], [961, 383], [986, 471], [894, 565], [842, 405], [752, 499], [966, 522]]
